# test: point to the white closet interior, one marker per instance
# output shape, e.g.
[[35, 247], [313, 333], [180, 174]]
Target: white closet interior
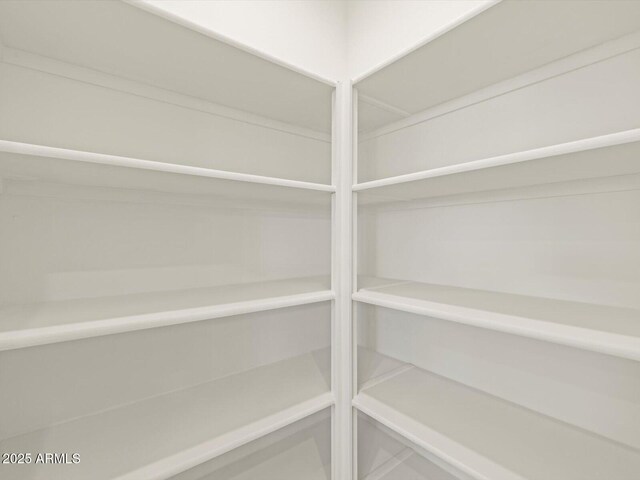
[[165, 250], [498, 194], [178, 231]]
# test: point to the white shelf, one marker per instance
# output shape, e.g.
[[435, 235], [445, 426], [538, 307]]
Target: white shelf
[[395, 468], [293, 465], [299, 451], [49, 164], [494, 42], [604, 329], [488, 438], [408, 465], [374, 367], [299, 461], [50, 322], [384, 454], [162, 50], [162, 436], [603, 156]]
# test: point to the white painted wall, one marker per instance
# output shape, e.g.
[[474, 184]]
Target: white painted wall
[[381, 30], [310, 34]]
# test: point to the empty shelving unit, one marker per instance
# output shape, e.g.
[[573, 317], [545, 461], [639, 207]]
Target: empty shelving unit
[[165, 251], [214, 266], [497, 302]]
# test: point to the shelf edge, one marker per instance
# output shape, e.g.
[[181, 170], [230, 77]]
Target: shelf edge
[[213, 34], [180, 462], [447, 27], [19, 148], [390, 465], [463, 459], [618, 345], [15, 339], [592, 143]]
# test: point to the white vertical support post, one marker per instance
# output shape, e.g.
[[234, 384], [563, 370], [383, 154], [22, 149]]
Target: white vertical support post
[[354, 200], [342, 329], [354, 276]]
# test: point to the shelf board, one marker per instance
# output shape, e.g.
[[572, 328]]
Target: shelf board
[[408, 465], [162, 436], [603, 156], [374, 367], [157, 48], [372, 283], [301, 450], [22, 161], [300, 461], [604, 329], [26, 325], [395, 468], [386, 455], [495, 42], [489, 438]]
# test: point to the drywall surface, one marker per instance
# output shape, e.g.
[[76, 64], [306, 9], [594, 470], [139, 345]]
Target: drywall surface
[[379, 31], [309, 35]]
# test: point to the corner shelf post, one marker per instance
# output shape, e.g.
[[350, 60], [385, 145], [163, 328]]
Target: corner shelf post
[[342, 330]]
